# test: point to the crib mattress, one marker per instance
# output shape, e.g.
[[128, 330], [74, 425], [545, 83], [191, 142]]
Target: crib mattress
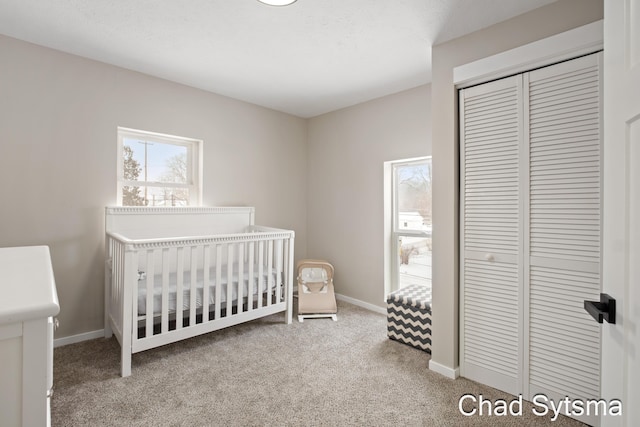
[[199, 288]]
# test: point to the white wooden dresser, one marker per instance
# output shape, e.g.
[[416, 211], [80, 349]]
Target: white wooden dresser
[[28, 302]]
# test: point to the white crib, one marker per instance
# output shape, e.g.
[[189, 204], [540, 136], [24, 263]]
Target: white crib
[[174, 273]]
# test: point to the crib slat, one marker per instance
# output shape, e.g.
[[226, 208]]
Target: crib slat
[[117, 279], [132, 305], [269, 271], [278, 295], [149, 309], [229, 278], [285, 270], [251, 279], [165, 291], [240, 277], [193, 272], [179, 286], [205, 282], [260, 271], [218, 281], [119, 292]]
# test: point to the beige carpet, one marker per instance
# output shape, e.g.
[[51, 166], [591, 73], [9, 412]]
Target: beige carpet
[[267, 373]]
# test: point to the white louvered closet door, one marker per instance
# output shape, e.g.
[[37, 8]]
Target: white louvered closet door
[[564, 230], [491, 239], [530, 230]]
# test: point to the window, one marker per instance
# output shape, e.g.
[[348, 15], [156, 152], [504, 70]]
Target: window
[[158, 170], [410, 231]]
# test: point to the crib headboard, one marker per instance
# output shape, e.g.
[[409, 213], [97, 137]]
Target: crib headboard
[[141, 222]]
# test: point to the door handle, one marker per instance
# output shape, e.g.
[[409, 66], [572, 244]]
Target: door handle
[[605, 309]]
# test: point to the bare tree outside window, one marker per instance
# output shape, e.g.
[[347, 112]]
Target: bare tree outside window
[[131, 195], [176, 171]]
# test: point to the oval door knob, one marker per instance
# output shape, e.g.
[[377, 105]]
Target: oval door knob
[[490, 257]]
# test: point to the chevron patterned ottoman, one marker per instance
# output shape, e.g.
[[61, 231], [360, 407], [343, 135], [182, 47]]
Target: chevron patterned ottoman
[[409, 316]]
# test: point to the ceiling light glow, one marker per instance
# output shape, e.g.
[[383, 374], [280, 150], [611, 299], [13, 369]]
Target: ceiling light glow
[[277, 2]]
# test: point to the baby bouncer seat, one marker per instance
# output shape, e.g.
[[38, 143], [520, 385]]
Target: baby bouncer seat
[[316, 297]]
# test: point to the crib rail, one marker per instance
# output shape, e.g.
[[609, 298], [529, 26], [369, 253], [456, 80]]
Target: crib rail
[[164, 290]]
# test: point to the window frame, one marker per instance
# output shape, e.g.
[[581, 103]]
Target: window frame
[[395, 232], [194, 164]]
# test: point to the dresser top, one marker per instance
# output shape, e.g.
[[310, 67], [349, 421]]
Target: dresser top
[[27, 285]]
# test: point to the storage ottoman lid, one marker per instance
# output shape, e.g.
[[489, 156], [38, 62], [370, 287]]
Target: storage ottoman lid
[[413, 296]]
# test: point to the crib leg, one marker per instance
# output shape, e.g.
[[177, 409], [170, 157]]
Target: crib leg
[[126, 362], [108, 332], [288, 314], [125, 348]]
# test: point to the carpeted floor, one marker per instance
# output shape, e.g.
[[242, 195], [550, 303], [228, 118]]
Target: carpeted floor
[[267, 373]]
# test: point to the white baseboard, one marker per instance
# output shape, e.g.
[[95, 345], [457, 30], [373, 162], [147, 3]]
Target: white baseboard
[[362, 304], [78, 338], [444, 370]]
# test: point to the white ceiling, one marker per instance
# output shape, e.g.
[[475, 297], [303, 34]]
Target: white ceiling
[[306, 59]]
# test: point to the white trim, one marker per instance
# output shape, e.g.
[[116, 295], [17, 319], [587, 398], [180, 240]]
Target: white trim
[[387, 226], [366, 305], [570, 44], [444, 370], [162, 210], [73, 339], [391, 215]]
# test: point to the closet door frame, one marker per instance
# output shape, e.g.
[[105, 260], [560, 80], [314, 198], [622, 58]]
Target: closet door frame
[[579, 42], [570, 44]]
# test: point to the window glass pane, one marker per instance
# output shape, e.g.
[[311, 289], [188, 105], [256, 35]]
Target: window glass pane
[[414, 261], [413, 192], [157, 169], [162, 196], [154, 196], [153, 161]]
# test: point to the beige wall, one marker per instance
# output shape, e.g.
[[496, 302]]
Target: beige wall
[[535, 25], [58, 120], [346, 153]]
